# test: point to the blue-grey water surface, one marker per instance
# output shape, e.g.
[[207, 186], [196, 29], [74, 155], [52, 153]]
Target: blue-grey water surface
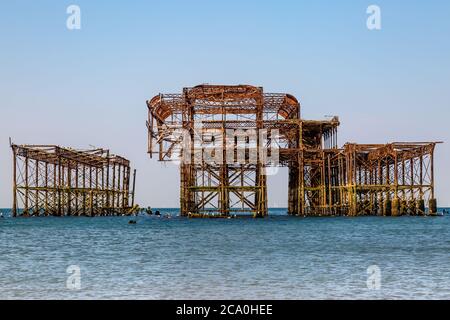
[[276, 258]]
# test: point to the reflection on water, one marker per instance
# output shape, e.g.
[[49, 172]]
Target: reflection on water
[[276, 258]]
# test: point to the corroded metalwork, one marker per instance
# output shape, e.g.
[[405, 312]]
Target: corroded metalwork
[[194, 127], [54, 181]]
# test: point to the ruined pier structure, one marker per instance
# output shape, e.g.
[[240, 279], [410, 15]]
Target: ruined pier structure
[[324, 179], [54, 181]]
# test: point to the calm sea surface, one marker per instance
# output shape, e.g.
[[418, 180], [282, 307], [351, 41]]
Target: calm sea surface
[[276, 258]]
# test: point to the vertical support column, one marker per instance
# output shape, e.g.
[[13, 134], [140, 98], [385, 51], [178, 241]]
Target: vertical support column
[[84, 190], [187, 166], [14, 208], [224, 173], [36, 188], [432, 173], [396, 202], [433, 202], [372, 175], [183, 208], [224, 196], [119, 191], [150, 132], [46, 190], [412, 203], [69, 189], [97, 193], [387, 188], [323, 203], [301, 185], [301, 173], [126, 187], [91, 193], [26, 209], [380, 189], [108, 203], [352, 171], [113, 193], [134, 188], [192, 197], [403, 201], [330, 185], [60, 186], [103, 193], [261, 192], [77, 193], [342, 183], [55, 190], [421, 201], [421, 177], [293, 190], [261, 179]]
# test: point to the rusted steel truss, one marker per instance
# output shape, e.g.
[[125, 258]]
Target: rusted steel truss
[[267, 131], [391, 180], [54, 181]]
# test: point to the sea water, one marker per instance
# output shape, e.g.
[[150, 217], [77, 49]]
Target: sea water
[[280, 257]]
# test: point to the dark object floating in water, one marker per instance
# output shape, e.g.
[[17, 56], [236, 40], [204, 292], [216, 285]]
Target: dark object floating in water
[[149, 211], [132, 222], [157, 213]]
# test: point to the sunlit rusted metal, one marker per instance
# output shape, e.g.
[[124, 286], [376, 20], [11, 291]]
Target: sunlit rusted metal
[[388, 179], [50, 180]]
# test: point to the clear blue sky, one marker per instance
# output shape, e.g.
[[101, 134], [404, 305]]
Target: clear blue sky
[[89, 87]]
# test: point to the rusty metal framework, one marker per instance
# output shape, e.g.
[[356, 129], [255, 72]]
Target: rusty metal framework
[[53, 181], [390, 179]]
